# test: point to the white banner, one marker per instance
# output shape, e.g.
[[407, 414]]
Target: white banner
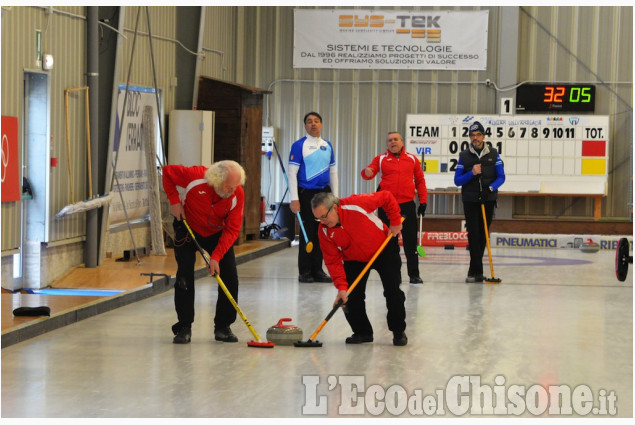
[[131, 170], [390, 39], [524, 240]]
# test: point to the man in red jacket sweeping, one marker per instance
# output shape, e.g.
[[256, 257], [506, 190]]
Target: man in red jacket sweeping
[[212, 202], [350, 234], [401, 174]]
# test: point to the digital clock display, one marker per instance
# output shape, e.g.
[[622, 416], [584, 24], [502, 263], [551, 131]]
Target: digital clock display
[[556, 97]]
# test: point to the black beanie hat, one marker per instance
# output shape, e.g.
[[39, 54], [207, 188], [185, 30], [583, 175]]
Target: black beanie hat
[[476, 126]]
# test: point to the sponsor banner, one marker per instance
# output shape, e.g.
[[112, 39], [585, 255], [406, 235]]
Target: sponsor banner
[[519, 240], [444, 238], [10, 160], [132, 174], [390, 39]]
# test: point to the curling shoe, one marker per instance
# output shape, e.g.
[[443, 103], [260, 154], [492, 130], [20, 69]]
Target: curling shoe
[[399, 339], [479, 278], [359, 339], [322, 277], [224, 334], [415, 280], [305, 278], [183, 336]]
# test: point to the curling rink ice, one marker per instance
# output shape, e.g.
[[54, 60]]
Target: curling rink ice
[[560, 320]]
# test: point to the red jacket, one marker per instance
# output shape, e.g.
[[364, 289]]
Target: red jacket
[[359, 234], [399, 175], [205, 211]]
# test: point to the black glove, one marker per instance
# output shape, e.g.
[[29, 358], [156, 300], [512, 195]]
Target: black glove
[[484, 195], [422, 209]]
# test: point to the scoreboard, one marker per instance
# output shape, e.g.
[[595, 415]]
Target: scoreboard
[[552, 97], [551, 154]]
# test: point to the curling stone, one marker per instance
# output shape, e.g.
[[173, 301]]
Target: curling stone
[[281, 334], [589, 246]]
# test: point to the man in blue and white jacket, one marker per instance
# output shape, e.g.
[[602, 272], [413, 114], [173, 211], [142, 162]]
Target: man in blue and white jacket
[[311, 171]]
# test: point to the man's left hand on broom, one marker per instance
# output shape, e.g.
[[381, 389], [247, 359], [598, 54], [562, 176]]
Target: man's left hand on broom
[[177, 211], [213, 268]]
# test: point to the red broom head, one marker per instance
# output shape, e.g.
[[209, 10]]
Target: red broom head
[[260, 344]]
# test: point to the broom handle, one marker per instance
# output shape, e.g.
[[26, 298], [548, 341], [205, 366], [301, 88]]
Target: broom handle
[[326, 319], [223, 287], [235, 304], [306, 238], [423, 168], [68, 147], [489, 249]]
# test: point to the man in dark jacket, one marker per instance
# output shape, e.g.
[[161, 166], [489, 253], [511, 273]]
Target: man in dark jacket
[[480, 173]]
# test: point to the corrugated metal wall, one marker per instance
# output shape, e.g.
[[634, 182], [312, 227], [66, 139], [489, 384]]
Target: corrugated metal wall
[[585, 44], [12, 103], [67, 44], [219, 43], [360, 106], [162, 26], [63, 36]]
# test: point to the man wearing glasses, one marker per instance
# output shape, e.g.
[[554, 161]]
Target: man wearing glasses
[[350, 234], [480, 173]]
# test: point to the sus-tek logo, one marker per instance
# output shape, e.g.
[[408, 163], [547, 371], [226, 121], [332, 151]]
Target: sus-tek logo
[[372, 21], [418, 26]]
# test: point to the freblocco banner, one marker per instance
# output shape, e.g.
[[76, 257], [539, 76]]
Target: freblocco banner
[[390, 39], [444, 238]]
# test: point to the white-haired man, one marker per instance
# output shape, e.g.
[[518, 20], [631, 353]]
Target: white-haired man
[[213, 204]]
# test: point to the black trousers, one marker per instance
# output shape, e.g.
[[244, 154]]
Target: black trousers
[[388, 265], [408, 234], [185, 251], [476, 232], [309, 263]]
